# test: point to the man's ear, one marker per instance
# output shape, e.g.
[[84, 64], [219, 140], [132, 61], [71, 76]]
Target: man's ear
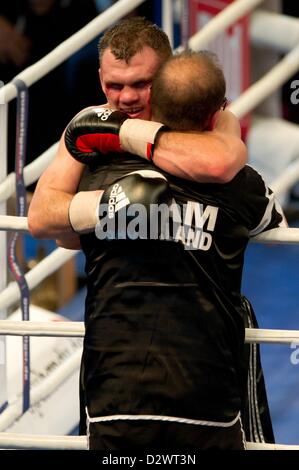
[[212, 121]]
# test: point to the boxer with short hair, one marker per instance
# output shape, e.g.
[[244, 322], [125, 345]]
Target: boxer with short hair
[[163, 364]]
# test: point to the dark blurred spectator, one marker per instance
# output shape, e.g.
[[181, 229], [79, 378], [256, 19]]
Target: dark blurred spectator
[[29, 29], [148, 9], [291, 8]]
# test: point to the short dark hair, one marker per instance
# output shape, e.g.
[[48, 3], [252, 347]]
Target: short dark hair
[[130, 36], [187, 90]]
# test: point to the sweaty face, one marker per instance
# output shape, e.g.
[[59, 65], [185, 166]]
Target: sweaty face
[[127, 85]]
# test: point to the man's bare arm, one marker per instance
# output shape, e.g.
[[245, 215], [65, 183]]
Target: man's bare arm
[[48, 210], [206, 157]]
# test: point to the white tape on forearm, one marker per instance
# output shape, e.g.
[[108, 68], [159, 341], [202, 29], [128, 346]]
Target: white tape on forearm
[[136, 134], [83, 211]]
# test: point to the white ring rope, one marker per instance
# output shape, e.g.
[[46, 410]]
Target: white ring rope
[[275, 235], [43, 389], [76, 329], [32, 172], [264, 446], [278, 236], [256, 335], [262, 25], [58, 257], [35, 328], [270, 82], [255, 94], [70, 46], [221, 21], [287, 179], [32, 441], [15, 223], [36, 275]]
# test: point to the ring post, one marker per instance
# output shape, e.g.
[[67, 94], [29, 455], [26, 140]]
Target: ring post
[[167, 19]]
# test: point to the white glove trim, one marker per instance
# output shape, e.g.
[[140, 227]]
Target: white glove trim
[[137, 136], [83, 211]]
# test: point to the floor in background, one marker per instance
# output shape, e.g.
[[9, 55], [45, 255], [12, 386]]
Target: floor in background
[[271, 282]]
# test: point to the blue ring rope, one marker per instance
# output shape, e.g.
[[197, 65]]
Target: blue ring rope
[[21, 209]]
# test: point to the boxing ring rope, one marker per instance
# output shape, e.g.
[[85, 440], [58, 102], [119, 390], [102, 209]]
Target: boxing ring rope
[[12, 222], [260, 90], [287, 179], [19, 328], [3, 244], [80, 443], [278, 236], [36, 275], [31, 441], [221, 21], [275, 235], [32, 173], [76, 329], [262, 25], [43, 389], [59, 256], [69, 47]]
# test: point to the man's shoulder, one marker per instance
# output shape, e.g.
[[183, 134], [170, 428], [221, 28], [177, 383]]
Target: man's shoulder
[[247, 175]]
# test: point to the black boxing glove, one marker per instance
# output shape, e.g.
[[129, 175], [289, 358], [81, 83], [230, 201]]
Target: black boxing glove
[[102, 130], [135, 206]]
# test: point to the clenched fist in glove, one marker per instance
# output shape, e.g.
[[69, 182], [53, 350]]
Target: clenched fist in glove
[[141, 191], [102, 130]]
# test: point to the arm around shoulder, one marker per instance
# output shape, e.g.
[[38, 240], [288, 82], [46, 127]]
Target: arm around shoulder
[[232, 151], [207, 157]]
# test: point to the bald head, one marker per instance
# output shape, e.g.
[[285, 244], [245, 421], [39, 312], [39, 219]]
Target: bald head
[[188, 90]]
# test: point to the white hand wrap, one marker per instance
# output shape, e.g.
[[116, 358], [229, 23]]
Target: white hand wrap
[[83, 211], [138, 136]]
